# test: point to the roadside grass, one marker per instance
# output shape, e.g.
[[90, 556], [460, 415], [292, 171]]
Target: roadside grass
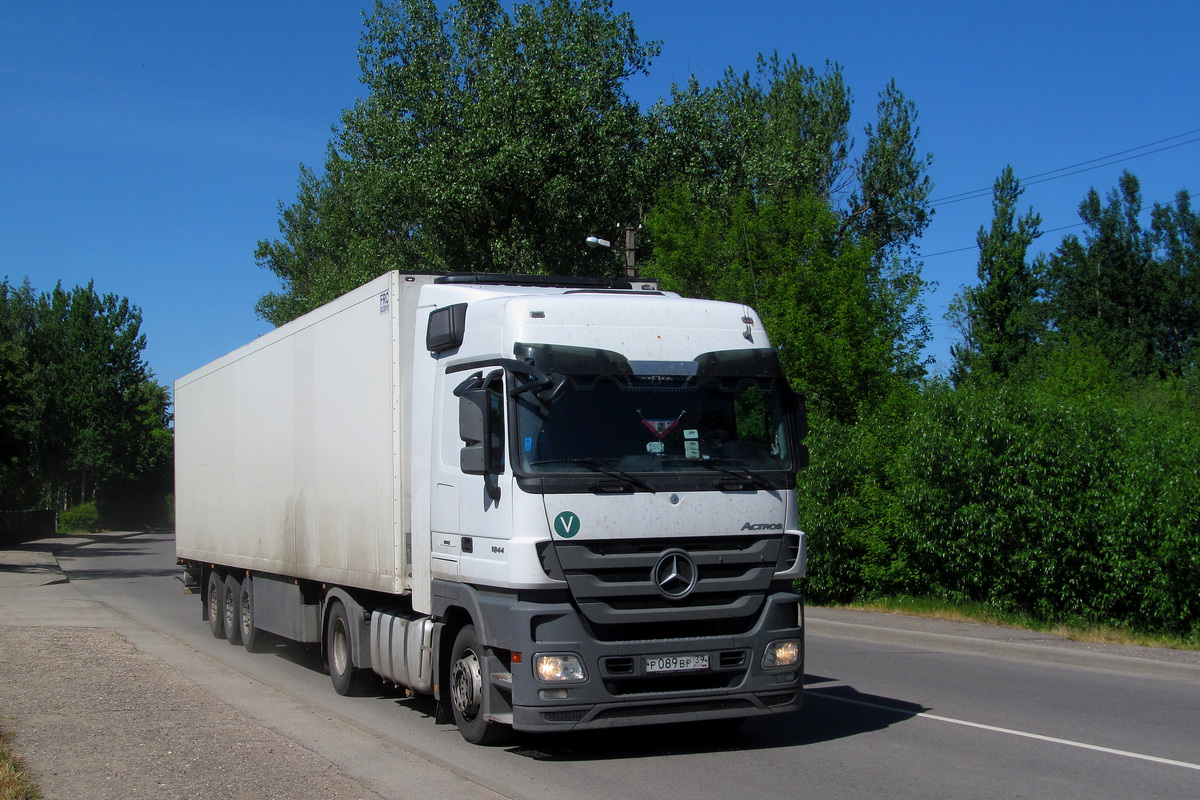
[[1074, 630], [15, 783]]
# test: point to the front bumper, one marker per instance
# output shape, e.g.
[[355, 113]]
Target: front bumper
[[619, 692]]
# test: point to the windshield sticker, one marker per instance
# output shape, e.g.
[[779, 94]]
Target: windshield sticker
[[691, 433], [660, 427], [566, 524], [691, 449], [655, 447], [528, 443]]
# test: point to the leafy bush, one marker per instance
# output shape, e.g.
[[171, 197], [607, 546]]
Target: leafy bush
[[1042, 498], [860, 541], [79, 518]]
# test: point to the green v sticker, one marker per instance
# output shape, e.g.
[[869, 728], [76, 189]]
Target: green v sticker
[[566, 524]]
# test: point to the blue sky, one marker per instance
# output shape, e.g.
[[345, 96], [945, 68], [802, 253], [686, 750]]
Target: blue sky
[[147, 145]]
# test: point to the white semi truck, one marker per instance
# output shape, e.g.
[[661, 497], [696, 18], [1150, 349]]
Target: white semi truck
[[553, 504]]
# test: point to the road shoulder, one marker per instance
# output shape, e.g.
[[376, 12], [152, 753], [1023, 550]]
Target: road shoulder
[[1005, 642]]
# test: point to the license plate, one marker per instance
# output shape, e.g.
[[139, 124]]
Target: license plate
[[684, 663]]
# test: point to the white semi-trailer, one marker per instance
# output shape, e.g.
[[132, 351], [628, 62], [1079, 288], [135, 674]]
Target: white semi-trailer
[[552, 504]]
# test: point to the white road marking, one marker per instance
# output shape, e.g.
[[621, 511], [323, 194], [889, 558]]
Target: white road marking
[[1009, 731]]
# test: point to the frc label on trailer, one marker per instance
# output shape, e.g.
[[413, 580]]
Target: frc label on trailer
[[566, 524]]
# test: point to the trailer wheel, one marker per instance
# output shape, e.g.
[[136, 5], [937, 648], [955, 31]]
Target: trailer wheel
[[470, 692], [215, 601], [347, 679], [252, 637], [232, 609]]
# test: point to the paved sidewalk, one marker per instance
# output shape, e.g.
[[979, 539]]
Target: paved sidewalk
[[29, 568], [100, 706]]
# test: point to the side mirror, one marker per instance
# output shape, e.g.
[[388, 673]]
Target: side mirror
[[481, 428], [473, 430]]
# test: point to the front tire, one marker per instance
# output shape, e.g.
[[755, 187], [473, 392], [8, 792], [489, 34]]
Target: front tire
[[471, 692]]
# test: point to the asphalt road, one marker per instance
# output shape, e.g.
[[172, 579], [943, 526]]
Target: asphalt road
[[899, 719]]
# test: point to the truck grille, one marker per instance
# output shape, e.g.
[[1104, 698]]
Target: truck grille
[[617, 589]]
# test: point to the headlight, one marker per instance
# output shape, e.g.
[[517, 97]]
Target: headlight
[[785, 653], [559, 668]]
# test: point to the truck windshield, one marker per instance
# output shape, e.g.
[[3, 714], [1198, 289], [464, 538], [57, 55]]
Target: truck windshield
[[721, 411]]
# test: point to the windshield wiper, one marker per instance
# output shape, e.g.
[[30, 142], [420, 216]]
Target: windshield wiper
[[604, 466], [734, 467]]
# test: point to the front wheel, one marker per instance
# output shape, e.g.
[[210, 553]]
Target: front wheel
[[470, 693]]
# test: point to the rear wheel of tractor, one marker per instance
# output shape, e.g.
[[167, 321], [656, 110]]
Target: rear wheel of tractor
[[232, 609], [470, 692], [252, 638], [347, 679], [215, 600]]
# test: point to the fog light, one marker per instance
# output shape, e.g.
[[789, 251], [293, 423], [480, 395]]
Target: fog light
[[784, 653], [559, 667]]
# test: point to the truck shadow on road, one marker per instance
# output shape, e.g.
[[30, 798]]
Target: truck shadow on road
[[835, 711], [832, 711]]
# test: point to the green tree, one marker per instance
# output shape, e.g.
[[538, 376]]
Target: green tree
[[18, 398], [780, 134], [1175, 236], [1000, 319], [487, 142], [891, 206], [94, 423], [812, 287], [761, 204], [783, 133], [1130, 292]]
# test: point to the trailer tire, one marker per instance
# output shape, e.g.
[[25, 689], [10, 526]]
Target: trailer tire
[[347, 679], [232, 609], [252, 638], [215, 604], [470, 692]]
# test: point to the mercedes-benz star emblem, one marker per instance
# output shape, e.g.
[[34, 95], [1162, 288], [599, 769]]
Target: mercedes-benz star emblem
[[675, 574]]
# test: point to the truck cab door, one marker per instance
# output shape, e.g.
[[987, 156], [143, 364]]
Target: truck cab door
[[467, 513]]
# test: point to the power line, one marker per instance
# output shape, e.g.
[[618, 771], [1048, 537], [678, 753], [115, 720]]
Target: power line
[[1075, 169], [1040, 234], [976, 246]]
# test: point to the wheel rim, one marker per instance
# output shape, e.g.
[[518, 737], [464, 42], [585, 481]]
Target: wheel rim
[[339, 649], [466, 684]]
